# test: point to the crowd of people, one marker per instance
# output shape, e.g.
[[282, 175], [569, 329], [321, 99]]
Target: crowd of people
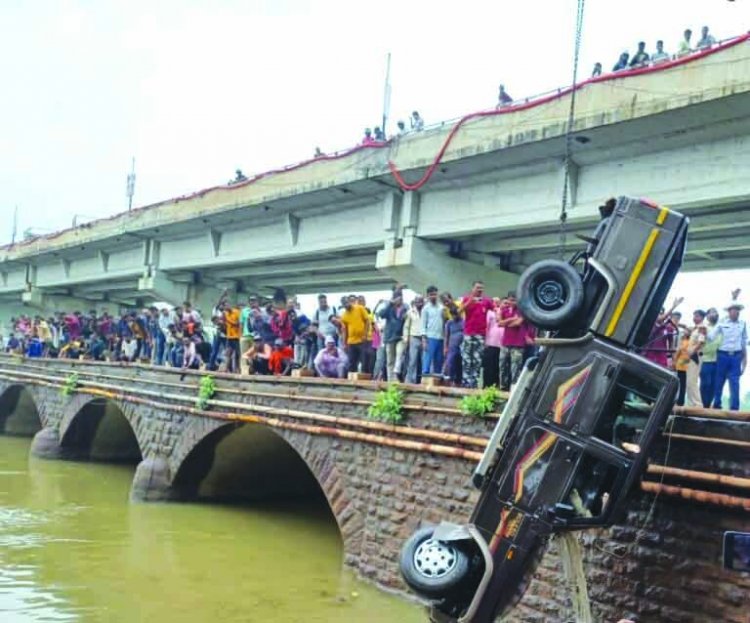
[[469, 341], [641, 58], [459, 339], [706, 354]]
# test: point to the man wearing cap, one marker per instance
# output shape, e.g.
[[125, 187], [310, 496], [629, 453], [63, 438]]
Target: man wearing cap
[[732, 355], [331, 362]]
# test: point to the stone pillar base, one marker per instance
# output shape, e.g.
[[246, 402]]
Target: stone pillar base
[[152, 481], [46, 445]]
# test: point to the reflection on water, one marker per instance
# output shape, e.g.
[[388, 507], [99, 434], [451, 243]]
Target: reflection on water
[[73, 549]]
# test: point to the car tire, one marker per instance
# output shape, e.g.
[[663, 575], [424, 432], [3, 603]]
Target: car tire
[[550, 294], [433, 568]]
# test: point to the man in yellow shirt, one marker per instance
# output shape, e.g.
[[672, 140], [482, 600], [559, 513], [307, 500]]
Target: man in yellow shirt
[[232, 319], [355, 326]]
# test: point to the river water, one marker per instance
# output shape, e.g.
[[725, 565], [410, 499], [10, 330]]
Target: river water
[[72, 548]]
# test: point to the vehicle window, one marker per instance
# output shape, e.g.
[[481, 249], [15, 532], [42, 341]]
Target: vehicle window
[[629, 406], [593, 483]]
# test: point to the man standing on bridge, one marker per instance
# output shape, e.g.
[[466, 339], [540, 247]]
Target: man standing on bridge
[[354, 328], [475, 307], [731, 358]]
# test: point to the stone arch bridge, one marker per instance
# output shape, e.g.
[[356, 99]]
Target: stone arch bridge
[[265, 437]]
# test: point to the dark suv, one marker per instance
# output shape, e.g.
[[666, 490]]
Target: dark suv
[[578, 426]]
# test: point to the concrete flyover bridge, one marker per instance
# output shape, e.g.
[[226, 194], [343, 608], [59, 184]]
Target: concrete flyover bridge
[[264, 438], [479, 198]]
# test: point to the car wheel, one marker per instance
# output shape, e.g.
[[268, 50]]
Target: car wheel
[[550, 294], [431, 567]]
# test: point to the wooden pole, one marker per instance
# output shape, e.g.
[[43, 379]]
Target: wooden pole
[[112, 392], [716, 440], [695, 495], [689, 474], [291, 395]]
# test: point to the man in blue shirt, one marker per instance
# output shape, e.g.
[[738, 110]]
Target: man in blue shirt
[[731, 357]]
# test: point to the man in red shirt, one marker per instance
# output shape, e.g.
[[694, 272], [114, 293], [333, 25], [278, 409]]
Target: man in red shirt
[[475, 307], [281, 359], [515, 340]]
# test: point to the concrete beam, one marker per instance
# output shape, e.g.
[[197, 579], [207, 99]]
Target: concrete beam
[[159, 287], [418, 265], [294, 268]]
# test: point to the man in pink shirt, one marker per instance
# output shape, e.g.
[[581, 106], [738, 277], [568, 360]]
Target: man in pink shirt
[[475, 307], [514, 341], [493, 342]]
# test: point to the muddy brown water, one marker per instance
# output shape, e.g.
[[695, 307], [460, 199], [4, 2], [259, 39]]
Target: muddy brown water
[[73, 548]]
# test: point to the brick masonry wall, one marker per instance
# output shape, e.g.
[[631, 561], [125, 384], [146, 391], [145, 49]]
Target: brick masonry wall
[[663, 565]]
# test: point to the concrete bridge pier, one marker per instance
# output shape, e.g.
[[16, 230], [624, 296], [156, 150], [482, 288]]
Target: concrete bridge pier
[[152, 481], [419, 263]]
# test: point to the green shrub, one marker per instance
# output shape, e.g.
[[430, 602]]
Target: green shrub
[[71, 382], [206, 392], [482, 403], [387, 406]]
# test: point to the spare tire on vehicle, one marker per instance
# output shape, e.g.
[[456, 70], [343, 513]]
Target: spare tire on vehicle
[[550, 294]]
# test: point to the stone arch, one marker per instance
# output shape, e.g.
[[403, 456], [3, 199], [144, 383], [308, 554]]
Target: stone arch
[[267, 463], [19, 414], [98, 429]]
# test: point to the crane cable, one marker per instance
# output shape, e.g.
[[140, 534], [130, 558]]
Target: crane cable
[[569, 128]]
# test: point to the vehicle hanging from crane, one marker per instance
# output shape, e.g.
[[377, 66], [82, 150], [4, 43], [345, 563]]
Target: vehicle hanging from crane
[[578, 427]]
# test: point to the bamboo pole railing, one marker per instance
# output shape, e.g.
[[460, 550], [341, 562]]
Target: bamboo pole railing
[[113, 392], [689, 474], [715, 440], [290, 395], [696, 495], [324, 425]]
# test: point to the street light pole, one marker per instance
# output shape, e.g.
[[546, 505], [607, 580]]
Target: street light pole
[[130, 191], [386, 94]]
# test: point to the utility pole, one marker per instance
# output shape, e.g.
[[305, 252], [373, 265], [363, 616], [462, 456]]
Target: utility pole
[[386, 94], [15, 226], [131, 185]]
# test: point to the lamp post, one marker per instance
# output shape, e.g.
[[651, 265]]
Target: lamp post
[[130, 190]]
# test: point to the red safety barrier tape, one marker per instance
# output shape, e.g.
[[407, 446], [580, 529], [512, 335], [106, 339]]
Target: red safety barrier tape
[[543, 100]]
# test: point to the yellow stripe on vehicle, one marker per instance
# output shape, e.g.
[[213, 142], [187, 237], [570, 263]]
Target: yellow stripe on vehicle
[[663, 213], [637, 270]]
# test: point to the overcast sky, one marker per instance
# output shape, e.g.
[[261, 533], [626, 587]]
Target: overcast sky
[[196, 89]]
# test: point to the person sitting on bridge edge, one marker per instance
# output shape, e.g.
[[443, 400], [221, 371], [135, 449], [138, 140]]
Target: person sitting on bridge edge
[[282, 358], [331, 362], [368, 138], [622, 62], [706, 40], [597, 70], [503, 98], [379, 134], [258, 355], [640, 58], [190, 358], [660, 56]]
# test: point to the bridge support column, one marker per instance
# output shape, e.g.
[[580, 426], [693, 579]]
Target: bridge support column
[[418, 265], [152, 481], [46, 445], [160, 288]]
